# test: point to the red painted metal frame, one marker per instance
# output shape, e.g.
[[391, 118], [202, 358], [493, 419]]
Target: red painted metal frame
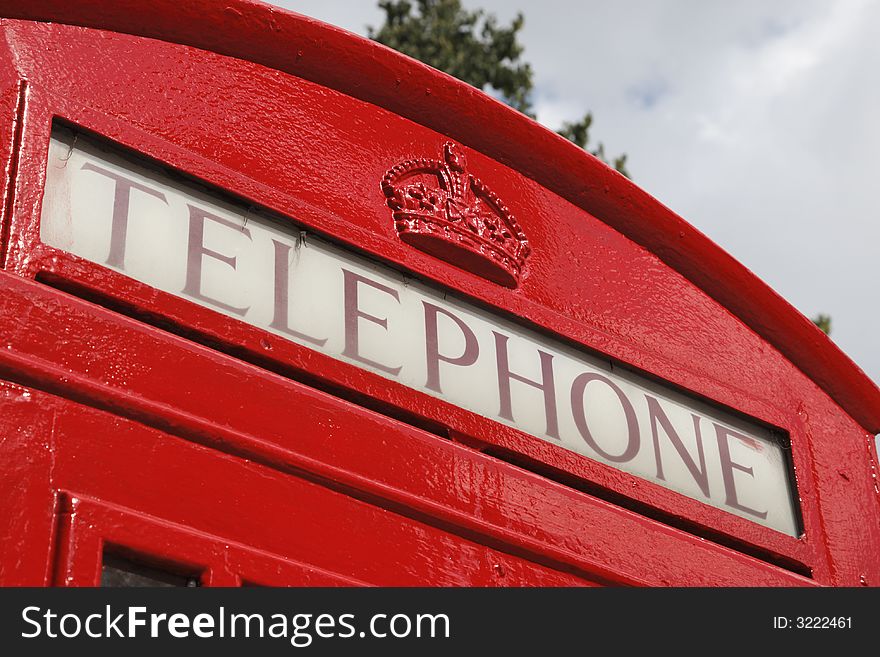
[[647, 315], [434, 482], [232, 520], [31, 258], [90, 528]]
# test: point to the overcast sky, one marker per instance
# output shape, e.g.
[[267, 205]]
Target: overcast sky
[[755, 121]]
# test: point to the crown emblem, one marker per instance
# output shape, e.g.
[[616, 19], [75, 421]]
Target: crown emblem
[[441, 209]]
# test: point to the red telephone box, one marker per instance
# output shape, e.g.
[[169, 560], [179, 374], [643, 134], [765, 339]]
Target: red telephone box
[[281, 306]]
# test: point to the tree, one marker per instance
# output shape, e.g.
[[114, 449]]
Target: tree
[[579, 133], [823, 322], [471, 46]]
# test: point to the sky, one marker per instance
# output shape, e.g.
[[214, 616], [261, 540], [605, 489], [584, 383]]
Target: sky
[[755, 121]]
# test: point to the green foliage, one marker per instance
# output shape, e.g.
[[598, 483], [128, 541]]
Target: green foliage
[[823, 322], [471, 46], [578, 132]]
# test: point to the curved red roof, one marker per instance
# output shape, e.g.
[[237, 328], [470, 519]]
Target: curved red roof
[[335, 58]]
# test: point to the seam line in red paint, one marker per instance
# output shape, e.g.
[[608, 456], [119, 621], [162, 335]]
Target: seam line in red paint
[[12, 178]]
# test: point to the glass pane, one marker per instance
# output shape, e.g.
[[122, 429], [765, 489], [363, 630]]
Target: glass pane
[[118, 571]]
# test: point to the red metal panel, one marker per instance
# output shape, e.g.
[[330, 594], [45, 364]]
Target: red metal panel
[[184, 497], [27, 521]]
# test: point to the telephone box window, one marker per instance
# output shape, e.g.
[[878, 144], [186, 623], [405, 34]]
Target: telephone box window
[[118, 571]]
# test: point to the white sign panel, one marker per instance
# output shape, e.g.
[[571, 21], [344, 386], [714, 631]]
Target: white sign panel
[[174, 236]]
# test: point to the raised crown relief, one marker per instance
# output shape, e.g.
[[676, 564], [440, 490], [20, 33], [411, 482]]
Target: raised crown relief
[[442, 209]]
